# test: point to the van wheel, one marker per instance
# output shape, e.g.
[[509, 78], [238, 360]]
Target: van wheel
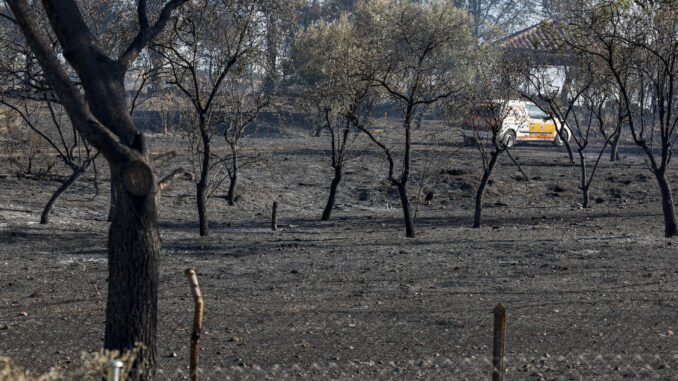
[[508, 140], [468, 141], [558, 142]]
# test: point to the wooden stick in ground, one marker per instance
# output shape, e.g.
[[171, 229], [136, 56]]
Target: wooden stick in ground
[[197, 322], [274, 216], [499, 343]]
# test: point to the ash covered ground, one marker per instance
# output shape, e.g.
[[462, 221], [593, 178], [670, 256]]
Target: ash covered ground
[[590, 294]]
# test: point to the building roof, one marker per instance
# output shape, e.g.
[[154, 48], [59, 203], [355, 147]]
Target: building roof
[[540, 42]]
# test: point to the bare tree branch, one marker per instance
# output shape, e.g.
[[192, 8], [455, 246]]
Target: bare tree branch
[[146, 32], [86, 124]]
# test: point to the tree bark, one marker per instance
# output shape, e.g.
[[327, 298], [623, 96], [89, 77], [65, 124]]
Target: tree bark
[[44, 218], [100, 113], [570, 153], [584, 186], [670, 226], [231, 189], [112, 202], [133, 254], [202, 208], [405, 202], [333, 192], [481, 188], [202, 183], [402, 184], [614, 150], [233, 176]]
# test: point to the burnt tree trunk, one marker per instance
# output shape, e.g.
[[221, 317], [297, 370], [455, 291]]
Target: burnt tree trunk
[[584, 185], [402, 184], [233, 181], [44, 218], [570, 153], [233, 176], [481, 188], [100, 113], [202, 182], [113, 200], [133, 254], [333, 192], [670, 227], [407, 214], [614, 150]]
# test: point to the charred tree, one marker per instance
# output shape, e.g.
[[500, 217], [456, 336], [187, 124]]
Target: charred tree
[[494, 156], [213, 45], [202, 185], [75, 153], [101, 116], [614, 148], [77, 172], [233, 175], [333, 193], [339, 152], [635, 45]]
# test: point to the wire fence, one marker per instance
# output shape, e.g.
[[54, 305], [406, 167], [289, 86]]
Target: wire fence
[[518, 367]]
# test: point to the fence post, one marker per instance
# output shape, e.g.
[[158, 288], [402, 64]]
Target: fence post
[[274, 216], [114, 367], [197, 323], [499, 343]]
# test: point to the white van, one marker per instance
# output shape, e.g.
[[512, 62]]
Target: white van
[[514, 120]]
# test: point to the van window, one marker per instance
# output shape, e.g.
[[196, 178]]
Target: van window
[[536, 113], [485, 111]]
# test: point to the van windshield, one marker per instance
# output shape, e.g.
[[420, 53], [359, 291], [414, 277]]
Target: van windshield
[[485, 111], [536, 113]]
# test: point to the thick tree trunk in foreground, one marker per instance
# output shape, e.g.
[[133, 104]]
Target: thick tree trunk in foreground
[[407, 214], [100, 113], [111, 203], [333, 193], [670, 226], [134, 250], [481, 189], [44, 218]]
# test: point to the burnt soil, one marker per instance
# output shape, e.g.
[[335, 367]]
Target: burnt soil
[[590, 293]]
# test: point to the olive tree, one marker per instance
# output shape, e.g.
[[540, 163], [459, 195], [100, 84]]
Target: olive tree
[[29, 100], [42, 118], [213, 42], [637, 44], [496, 83], [247, 95], [579, 104], [99, 111], [324, 59], [418, 55]]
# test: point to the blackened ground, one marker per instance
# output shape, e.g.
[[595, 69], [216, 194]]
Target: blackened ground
[[590, 294]]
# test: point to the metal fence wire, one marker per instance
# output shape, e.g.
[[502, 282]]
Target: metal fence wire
[[518, 367]]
